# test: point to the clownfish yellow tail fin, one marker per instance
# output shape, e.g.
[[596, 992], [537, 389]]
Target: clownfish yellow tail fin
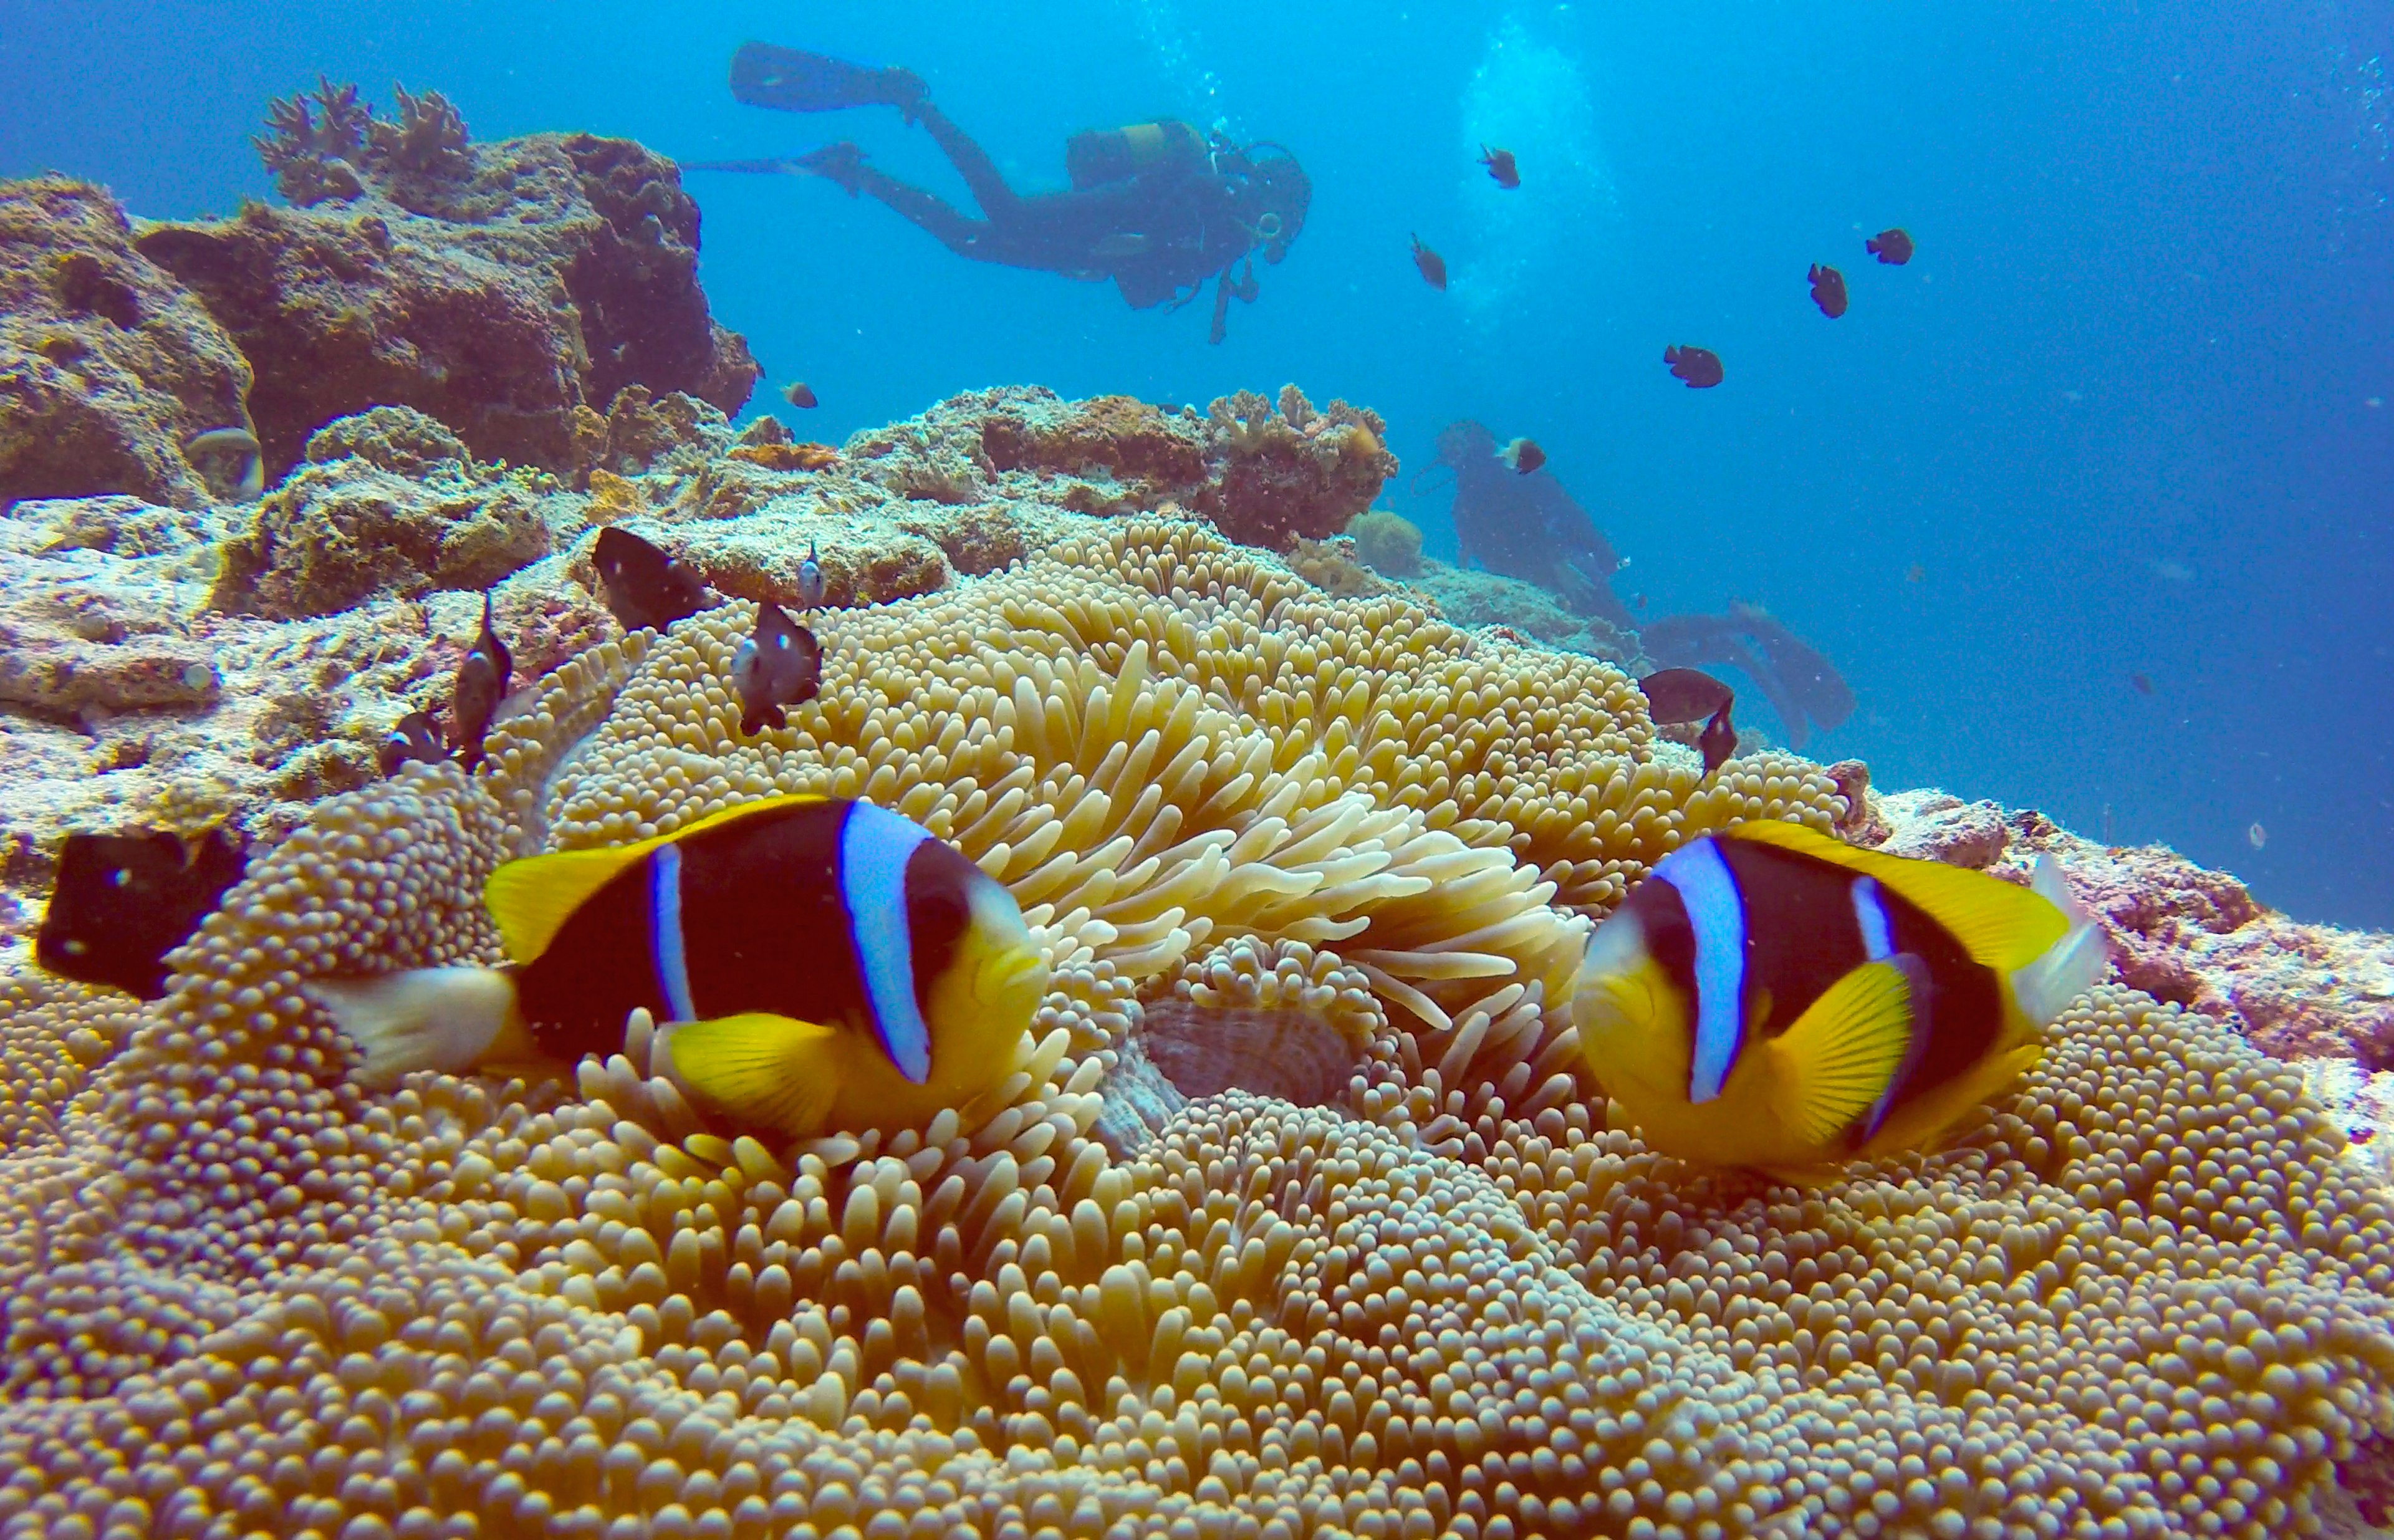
[[772, 1071], [2070, 966], [1840, 1056], [447, 1018]]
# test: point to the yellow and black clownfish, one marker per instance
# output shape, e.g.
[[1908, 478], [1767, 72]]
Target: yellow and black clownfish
[[1770, 998], [816, 964]]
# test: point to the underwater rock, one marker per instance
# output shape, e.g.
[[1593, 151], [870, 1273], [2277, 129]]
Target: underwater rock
[[389, 505], [1469, 596], [1526, 526], [1278, 475], [542, 277], [108, 367]]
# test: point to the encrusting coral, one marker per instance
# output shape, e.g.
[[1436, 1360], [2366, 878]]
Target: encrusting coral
[[2142, 1297]]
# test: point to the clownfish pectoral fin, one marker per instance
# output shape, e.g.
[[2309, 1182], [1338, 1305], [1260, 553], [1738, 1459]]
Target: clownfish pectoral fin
[[1999, 925], [1923, 1122], [774, 1072], [1839, 1057]]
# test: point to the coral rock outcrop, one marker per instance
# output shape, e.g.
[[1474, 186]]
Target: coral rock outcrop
[[497, 287], [390, 504], [109, 368]]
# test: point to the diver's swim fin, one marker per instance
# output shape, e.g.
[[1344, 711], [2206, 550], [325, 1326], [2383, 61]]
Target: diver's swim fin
[[794, 81]]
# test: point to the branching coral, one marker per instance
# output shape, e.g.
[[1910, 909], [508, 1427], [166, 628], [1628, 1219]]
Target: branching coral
[[2143, 1298], [429, 138], [313, 141]]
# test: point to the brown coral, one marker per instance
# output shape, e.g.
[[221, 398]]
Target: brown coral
[[108, 367], [439, 286], [1296, 472]]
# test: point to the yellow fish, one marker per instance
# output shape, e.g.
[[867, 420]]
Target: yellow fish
[[1770, 998], [817, 963]]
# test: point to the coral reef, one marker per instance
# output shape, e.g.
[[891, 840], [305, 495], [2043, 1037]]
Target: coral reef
[[1468, 597], [1265, 477], [387, 504], [1293, 472], [500, 288], [1295, 1216], [108, 367]]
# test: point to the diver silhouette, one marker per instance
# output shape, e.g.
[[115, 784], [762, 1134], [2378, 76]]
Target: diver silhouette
[[1158, 207]]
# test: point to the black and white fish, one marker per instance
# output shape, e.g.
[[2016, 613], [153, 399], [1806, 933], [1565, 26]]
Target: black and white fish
[[779, 666], [122, 902], [645, 588]]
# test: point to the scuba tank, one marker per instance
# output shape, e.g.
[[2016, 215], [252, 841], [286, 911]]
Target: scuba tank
[[1094, 156]]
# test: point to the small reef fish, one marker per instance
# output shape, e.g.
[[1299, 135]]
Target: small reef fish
[[645, 588], [811, 581], [1890, 246], [2257, 835], [233, 440], [1718, 741], [1771, 999], [1828, 290], [481, 684], [121, 902], [1701, 367], [2144, 686], [1677, 695], [1523, 455], [779, 666], [414, 738], [1432, 266], [816, 963], [1915, 573], [799, 394], [1501, 169]]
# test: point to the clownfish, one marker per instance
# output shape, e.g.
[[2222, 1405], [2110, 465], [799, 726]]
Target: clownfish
[[814, 963], [1771, 999]]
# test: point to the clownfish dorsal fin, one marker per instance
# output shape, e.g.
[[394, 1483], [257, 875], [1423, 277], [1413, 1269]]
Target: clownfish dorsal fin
[[532, 898], [1837, 1058], [772, 1071], [2001, 926]]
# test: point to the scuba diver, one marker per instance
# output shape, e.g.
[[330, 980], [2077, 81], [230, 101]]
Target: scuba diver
[[1158, 207]]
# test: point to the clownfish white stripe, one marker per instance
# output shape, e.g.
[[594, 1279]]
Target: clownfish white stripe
[[1717, 915], [664, 909], [874, 846], [1870, 913]]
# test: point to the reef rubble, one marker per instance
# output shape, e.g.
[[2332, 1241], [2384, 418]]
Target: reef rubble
[[1301, 1214]]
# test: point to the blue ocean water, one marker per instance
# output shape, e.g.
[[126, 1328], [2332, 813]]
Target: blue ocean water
[[2124, 413]]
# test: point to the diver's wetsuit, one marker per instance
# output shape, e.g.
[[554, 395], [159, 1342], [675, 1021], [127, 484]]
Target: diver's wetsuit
[[1159, 209]]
